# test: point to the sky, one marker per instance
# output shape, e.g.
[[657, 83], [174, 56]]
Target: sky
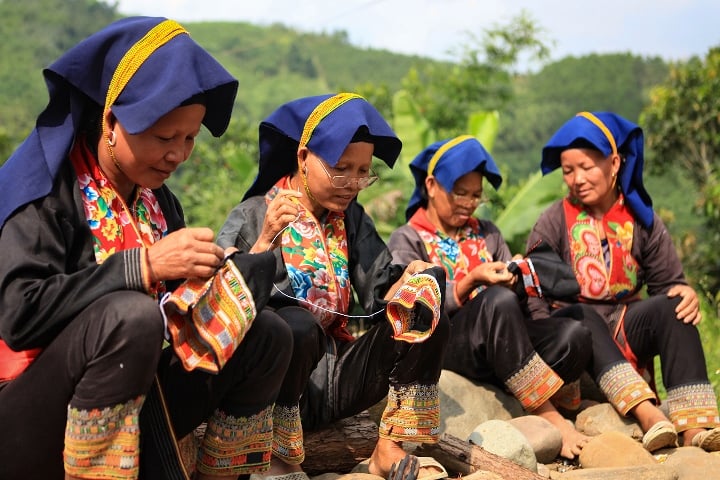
[[671, 29]]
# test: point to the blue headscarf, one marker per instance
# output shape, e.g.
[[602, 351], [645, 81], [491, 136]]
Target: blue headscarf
[[448, 160], [609, 133], [325, 124], [79, 81]]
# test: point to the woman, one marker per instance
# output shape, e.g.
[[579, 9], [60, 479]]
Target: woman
[[492, 338], [606, 230], [315, 157], [91, 239]]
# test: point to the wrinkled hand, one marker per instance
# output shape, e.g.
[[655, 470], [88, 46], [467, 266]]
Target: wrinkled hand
[[492, 273], [282, 210], [688, 310], [185, 253], [416, 266]]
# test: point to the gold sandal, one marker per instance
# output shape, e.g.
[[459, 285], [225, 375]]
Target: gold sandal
[[660, 435]]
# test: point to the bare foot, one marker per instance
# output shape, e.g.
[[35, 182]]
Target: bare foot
[[572, 440]]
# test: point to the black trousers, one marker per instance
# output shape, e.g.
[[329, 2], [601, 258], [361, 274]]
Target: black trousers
[[651, 328], [109, 354], [492, 337], [333, 380]]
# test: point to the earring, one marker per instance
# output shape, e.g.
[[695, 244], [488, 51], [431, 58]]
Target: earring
[[112, 138]]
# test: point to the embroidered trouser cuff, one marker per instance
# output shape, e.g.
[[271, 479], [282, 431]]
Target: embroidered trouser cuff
[[412, 414], [534, 383], [624, 387], [288, 435], [693, 406], [236, 445], [103, 443]]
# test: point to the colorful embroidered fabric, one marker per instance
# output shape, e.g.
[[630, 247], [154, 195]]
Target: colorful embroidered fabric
[[598, 282], [534, 384], [459, 257], [624, 387], [288, 434], [207, 319], [111, 221], [412, 414], [528, 276], [414, 310], [103, 443], [316, 259], [235, 446], [693, 406]]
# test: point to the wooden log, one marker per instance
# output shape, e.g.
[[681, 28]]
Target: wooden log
[[340, 446], [464, 458]]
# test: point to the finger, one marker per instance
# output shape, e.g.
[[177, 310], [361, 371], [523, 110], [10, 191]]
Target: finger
[[202, 233]]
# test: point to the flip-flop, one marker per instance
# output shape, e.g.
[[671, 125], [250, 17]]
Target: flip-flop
[[660, 435], [709, 440], [426, 462], [284, 476]]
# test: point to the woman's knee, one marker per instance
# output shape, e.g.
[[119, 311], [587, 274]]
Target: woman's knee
[[130, 319], [307, 334]]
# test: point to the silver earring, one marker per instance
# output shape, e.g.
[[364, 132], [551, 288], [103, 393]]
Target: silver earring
[[112, 138]]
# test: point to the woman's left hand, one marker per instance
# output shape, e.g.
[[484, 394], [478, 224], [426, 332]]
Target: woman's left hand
[[416, 266], [688, 310]]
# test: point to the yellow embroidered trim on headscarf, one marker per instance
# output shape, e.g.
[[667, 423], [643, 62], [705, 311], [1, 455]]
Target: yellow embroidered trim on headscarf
[[324, 109], [138, 53], [598, 123], [441, 151]]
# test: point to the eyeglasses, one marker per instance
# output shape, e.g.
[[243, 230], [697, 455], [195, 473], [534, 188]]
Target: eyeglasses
[[468, 200], [344, 181]]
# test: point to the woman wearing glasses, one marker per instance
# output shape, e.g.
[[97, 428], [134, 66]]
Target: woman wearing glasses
[[492, 338], [315, 157]]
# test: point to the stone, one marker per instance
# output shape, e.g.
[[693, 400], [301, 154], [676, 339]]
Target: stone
[[544, 438], [502, 439]]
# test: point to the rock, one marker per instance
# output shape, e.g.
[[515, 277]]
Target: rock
[[692, 463], [544, 438], [603, 418], [646, 472], [504, 440], [614, 449], [465, 404]]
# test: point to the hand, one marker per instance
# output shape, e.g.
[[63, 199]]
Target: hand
[[416, 266], [688, 310], [492, 273], [282, 210], [185, 253]]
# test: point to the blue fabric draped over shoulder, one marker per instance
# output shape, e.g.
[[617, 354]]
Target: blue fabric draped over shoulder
[[609, 133], [326, 124], [448, 160], [172, 74]]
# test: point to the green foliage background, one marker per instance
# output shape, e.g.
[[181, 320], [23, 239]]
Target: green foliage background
[[426, 100]]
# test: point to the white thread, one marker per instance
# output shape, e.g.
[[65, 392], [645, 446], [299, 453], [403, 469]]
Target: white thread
[[310, 303]]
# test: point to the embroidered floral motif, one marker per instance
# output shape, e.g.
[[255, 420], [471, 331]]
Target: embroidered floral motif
[[601, 278], [459, 257], [316, 259]]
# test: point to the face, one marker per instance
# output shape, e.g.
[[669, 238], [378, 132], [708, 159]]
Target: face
[[589, 175], [337, 194], [148, 158], [454, 208]]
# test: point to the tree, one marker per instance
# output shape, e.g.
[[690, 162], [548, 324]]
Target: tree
[[682, 127], [482, 80]]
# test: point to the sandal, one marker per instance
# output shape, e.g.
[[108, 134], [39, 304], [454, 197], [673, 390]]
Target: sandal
[[661, 435], [709, 440]]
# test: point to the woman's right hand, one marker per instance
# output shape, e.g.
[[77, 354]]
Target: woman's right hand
[[282, 210], [492, 273], [185, 253]]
